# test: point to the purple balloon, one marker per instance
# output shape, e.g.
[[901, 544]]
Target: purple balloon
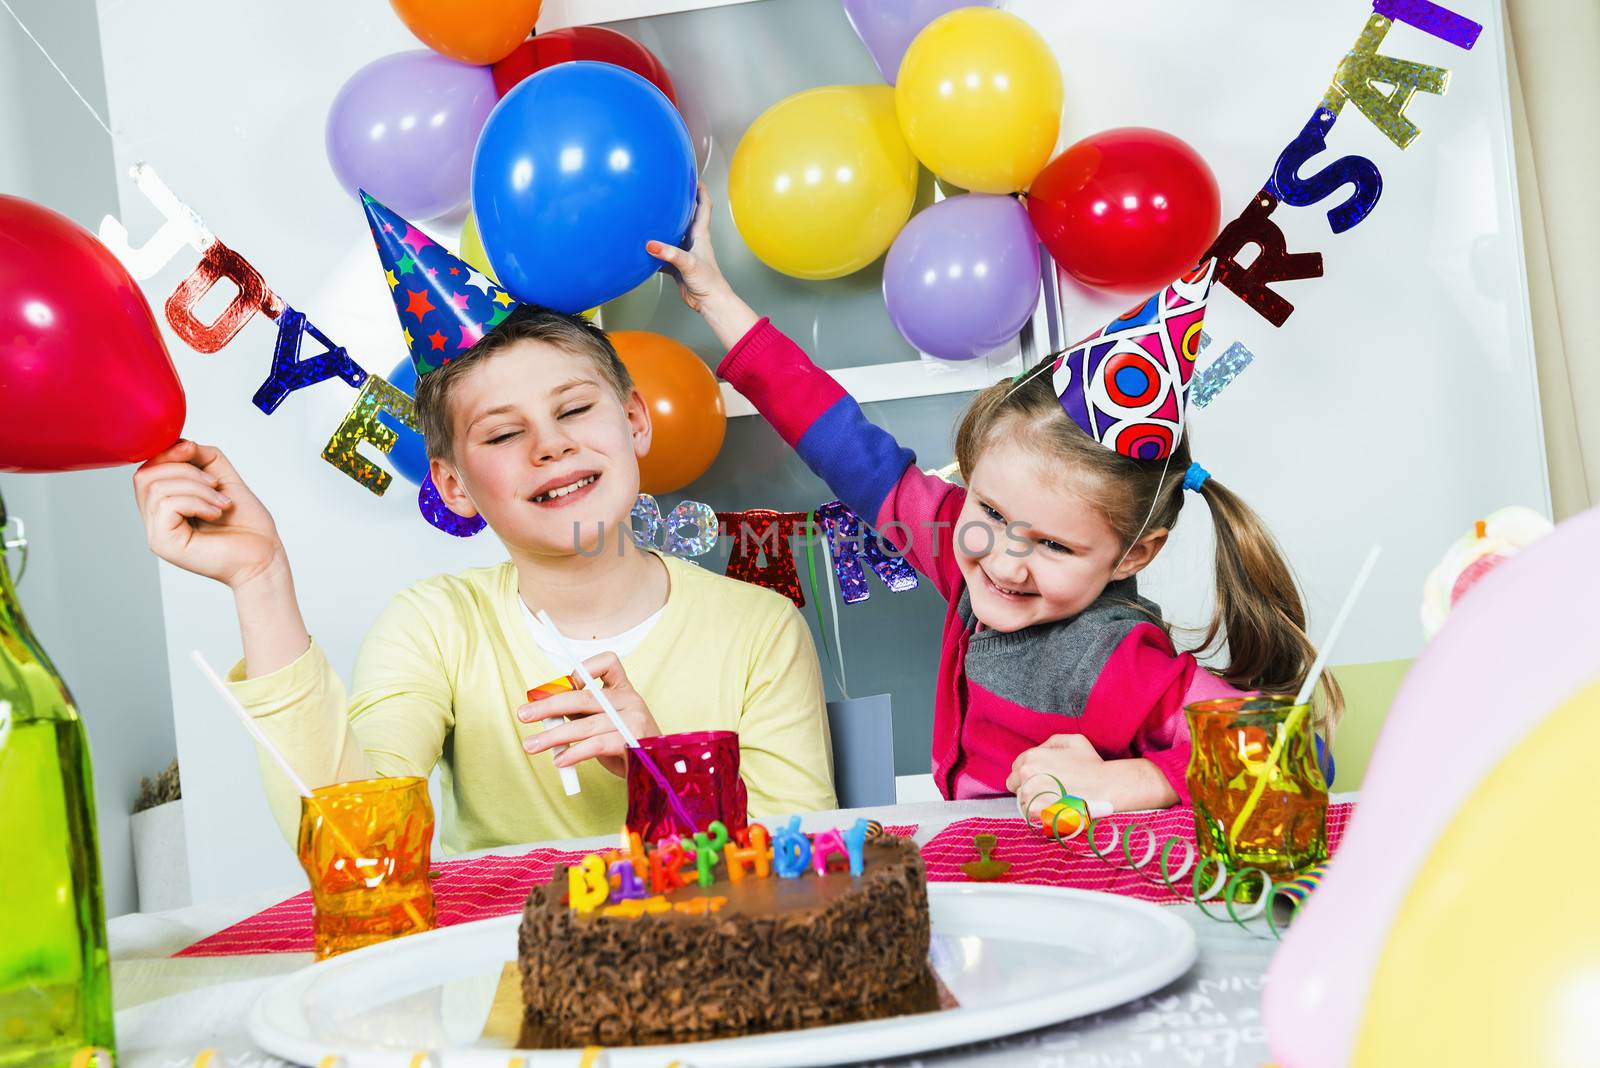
[[887, 27], [404, 128], [963, 276]]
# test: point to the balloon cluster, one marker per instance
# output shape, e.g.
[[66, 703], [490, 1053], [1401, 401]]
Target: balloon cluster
[[568, 147], [824, 182], [569, 153]]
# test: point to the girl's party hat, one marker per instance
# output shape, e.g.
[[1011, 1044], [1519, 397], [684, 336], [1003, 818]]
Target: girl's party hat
[[1128, 384], [444, 303]]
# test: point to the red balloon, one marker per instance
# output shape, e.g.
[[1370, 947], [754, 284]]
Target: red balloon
[[85, 379], [581, 42], [1126, 210]]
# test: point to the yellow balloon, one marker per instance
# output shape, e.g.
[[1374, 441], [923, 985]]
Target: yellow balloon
[[979, 97], [472, 251], [822, 182], [1494, 956], [472, 248]]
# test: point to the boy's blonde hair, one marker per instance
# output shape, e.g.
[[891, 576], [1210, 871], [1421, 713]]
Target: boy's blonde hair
[[528, 322], [1259, 612]]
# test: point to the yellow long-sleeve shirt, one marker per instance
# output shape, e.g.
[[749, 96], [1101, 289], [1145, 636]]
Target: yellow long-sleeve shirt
[[443, 671]]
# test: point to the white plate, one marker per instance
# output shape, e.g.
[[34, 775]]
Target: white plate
[[1015, 957]]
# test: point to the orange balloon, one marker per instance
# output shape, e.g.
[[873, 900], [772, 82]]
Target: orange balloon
[[470, 31], [685, 409]]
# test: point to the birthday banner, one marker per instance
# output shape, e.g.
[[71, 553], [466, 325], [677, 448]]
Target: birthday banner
[[763, 552], [1356, 80], [290, 371]]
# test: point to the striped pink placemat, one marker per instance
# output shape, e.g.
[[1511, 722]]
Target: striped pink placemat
[[1038, 859], [463, 891]]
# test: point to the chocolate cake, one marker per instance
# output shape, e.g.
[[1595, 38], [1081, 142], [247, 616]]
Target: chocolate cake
[[776, 954]]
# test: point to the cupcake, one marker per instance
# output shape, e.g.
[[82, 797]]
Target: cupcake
[[1489, 544]]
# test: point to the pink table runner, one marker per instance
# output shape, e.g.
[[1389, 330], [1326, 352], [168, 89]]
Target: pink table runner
[[1038, 859], [463, 891]]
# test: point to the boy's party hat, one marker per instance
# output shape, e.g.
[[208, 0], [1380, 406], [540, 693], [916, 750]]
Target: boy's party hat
[[445, 305], [1128, 384]]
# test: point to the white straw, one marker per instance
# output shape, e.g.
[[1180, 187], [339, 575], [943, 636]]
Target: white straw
[[249, 723], [589, 682], [1338, 624]]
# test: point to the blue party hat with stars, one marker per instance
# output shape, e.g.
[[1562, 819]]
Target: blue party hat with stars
[[444, 303]]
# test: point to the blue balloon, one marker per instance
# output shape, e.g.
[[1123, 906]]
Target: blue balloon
[[409, 457], [578, 167]]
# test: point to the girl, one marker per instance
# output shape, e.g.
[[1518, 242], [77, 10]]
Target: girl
[[1050, 662]]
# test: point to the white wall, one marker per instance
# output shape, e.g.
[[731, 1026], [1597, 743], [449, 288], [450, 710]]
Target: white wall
[[90, 591]]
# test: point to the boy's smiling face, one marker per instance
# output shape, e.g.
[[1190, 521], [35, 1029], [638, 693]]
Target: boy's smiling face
[[544, 450]]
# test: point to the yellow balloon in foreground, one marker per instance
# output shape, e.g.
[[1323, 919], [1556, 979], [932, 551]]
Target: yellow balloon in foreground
[[1494, 957], [823, 181], [979, 98]]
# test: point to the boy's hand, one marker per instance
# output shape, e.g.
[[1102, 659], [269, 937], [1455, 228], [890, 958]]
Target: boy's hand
[[700, 280], [200, 516], [591, 734]]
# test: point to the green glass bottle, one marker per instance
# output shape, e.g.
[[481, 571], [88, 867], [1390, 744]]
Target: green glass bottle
[[55, 973]]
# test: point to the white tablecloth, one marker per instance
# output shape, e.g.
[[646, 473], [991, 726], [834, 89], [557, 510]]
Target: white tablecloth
[[169, 1010]]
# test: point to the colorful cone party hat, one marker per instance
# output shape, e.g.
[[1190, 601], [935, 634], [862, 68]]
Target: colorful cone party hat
[[1128, 384], [444, 303]]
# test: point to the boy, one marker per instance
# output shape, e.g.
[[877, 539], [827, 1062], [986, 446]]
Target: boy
[[538, 429]]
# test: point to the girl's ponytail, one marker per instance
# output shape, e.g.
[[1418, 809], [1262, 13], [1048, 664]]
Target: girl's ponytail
[[1259, 609]]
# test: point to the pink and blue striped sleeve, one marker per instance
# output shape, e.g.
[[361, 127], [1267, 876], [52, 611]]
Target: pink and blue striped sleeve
[[861, 462]]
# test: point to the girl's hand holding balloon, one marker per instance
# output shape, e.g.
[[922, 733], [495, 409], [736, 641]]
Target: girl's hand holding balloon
[[700, 281]]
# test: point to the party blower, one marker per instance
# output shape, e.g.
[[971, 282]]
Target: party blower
[[591, 684]]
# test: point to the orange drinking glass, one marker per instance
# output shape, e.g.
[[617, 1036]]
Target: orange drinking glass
[[1259, 797], [366, 848]]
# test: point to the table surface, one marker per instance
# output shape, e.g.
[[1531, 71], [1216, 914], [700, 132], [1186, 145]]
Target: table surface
[[168, 1009]]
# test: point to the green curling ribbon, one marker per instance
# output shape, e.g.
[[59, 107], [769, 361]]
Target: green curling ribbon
[[816, 597], [1240, 897]]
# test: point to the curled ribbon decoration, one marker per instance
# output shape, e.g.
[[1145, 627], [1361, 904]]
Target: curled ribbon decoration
[[1174, 862]]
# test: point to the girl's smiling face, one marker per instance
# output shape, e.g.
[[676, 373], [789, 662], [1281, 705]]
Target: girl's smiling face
[[1032, 546], [544, 450]]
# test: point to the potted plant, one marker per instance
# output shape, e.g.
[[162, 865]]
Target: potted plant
[[160, 854]]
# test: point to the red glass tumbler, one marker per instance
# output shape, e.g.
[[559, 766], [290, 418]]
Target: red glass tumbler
[[703, 770]]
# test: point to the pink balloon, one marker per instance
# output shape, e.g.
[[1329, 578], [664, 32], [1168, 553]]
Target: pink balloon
[[1521, 642]]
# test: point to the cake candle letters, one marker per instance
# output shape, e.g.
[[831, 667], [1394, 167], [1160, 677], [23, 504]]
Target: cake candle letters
[[827, 844], [628, 884], [634, 879], [758, 855], [706, 850], [791, 851], [855, 842], [587, 885]]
